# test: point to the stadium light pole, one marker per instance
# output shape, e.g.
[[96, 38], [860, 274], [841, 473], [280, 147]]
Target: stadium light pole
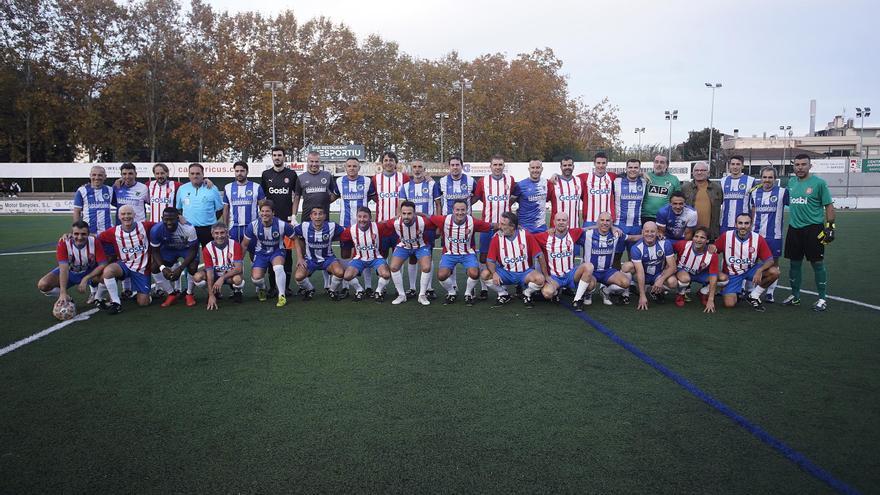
[[305, 117], [272, 85], [441, 116], [640, 131], [462, 85], [713, 87], [861, 113], [670, 116], [784, 128]]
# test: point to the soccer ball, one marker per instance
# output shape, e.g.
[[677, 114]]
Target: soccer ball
[[64, 310]]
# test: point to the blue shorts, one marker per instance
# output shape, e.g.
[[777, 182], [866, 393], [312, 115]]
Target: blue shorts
[[512, 278], [402, 252], [236, 232], [387, 243], [75, 278], [140, 283], [312, 265], [485, 239], [775, 246], [567, 280], [701, 278], [175, 254], [535, 229], [628, 231], [264, 260], [346, 244], [431, 237], [360, 265], [603, 276], [736, 282], [449, 261]]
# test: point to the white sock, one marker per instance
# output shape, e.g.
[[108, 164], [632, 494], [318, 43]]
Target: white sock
[[380, 287], [259, 283], [616, 289], [454, 275], [581, 290], [756, 292], [306, 284], [163, 282], [469, 286], [483, 284], [201, 285], [431, 277], [772, 288], [368, 277], [100, 291], [126, 284], [280, 279], [326, 279], [531, 289], [239, 286], [189, 284], [334, 283], [354, 284], [112, 289], [448, 286], [413, 271], [497, 288], [53, 292], [424, 283], [397, 277], [703, 290]]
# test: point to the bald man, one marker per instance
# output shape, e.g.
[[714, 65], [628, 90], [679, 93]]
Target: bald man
[[128, 245], [652, 262]]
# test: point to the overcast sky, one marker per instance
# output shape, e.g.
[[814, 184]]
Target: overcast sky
[[646, 56]]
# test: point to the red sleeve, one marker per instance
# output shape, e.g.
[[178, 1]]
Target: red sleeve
[[534, 247], [679, 247], [493, 249], [719, 244], [713, 265], [206, 255], [149, 225], [345, 235], [406, 178], [613, 177], [482, 226], [386, 228], [478, 189], [435, 221], [100, 255], [236, 252], [61, 251], [583, 177], [764, 252], [551, 193], [576, 234], [541, 239]]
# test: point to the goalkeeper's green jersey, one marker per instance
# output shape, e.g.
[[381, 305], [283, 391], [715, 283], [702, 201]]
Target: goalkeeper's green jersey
[[808, 200]]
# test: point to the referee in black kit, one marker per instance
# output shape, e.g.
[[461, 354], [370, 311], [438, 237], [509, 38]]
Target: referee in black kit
[[278, 184]]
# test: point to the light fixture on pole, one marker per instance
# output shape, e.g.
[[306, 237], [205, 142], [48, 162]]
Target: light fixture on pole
[[670, 116], [860, 113], [272, 85], [640, 131], [462, 85], [713, 87], [784, 128], [441, 116]]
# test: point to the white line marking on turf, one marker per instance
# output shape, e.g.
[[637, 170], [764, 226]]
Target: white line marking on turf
[[58, 326], [841, 299], [26, 252]]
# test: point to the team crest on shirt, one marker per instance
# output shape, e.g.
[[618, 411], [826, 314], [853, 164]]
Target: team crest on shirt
[[751, 250], [323, 180], [275, 235], [773, 199], [248, 193], [809, 190], [360, 187], [742, 187], [106, 196], [659, 253], [286, 180]]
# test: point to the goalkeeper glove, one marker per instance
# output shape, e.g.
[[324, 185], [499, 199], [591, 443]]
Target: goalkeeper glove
[[827, 234]]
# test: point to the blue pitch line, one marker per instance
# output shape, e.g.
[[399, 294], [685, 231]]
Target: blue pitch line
[[794, 456], [25, 248]]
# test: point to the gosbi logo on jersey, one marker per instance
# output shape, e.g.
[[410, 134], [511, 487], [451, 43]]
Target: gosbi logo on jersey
[[133, 249], [510, 260], [496, 197], [279, 190], [561, 254], [733, 260], [388, 195], [598, 191], [798, 201], [456, 240], [568, 197]]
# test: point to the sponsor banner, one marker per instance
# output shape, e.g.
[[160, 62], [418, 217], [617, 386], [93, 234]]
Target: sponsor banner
[[339, 152], [871, 165], [14, 206], [829, 165]]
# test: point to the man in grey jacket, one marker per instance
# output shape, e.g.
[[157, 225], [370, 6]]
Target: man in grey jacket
[[704, 196]]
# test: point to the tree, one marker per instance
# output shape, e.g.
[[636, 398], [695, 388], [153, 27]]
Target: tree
[[697, 145]]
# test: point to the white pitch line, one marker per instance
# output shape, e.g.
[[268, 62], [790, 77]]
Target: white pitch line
[[26, 252], [58, 326], [841, 299]]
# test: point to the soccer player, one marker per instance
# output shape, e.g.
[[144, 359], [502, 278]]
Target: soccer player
[[532, 199], [566, 193], [81, 260], [92, 202], [130, 243], [558, 246], [267, 232], [498, 191], [314, 252], [458, 249], [424, 193], [224, 265], [768, 205], [278, 184], [698, 263], [356, 191], [366, 235], [629, 193], [199, 203], [676, 221], [456, 186], [513, 254], [600, 244], [315, 187], [652, 261], [129, 191], [746, 257], [810, 228], [598, 187], [661, 184], [736, 188], [240, 200], [162, 191], [171, 241], [387, 184], [412, 231]]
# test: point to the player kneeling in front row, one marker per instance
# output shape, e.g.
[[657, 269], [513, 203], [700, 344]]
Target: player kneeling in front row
[[698, 263], [366, 235], [268, 233], [412, 234], [171, 241], [458, 249], [80, 259], [558, 246], [513, 252], [652, 261], [314, 252], [746, 256], [224, 265], [600, 244], [130, 244]]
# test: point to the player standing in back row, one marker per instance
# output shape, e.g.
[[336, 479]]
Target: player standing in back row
[[497, 191], [278, 184], [736, 188]]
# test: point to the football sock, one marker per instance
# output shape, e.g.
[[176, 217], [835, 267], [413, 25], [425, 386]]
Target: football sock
[[413, 270], [821, 275], [581, 290], [200, 285], [126, 284], [448, 286], [54, 292], [772, 288], [685, 287], [431, 277], [163, 282], [334, 283], [354, 284], [424, 283], [704, 290], [616, 289], [756, 292], [326, 279], [112, 289], [306, 284], [470, 285], [795, 277], [530, 289], [259, 283], [189, 284], [397, 277], [100, 291], [239, 286], [497, 288], [280, 279], [368, 277], [380, 287]]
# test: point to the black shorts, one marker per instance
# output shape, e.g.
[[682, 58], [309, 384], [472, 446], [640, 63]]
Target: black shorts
[[204, 235], [804, 243]]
